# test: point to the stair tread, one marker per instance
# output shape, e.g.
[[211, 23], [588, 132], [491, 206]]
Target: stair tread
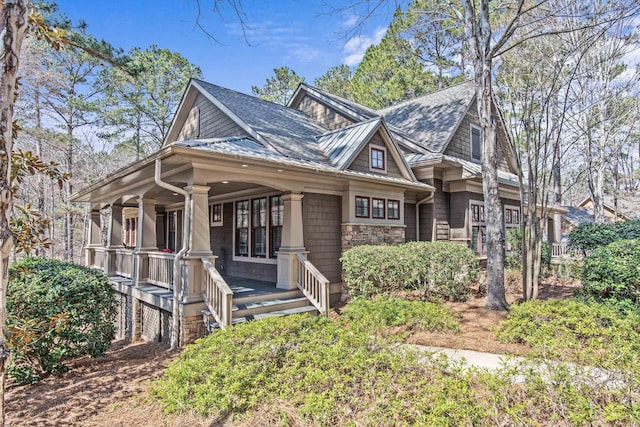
[[298, 310], [266, 303]]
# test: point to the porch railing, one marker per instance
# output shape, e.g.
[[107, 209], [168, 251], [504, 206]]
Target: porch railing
[[124, 263], [311, 282], [562, 249], [161, 269], [217, 294]]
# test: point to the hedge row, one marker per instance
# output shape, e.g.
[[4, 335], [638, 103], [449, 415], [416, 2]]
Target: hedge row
[[589, 236], [441, 270]]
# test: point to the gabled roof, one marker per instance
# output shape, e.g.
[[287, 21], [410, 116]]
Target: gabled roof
[[431, 120], [343, 144], [628, 205], [351, 109], [577, 216], [287, 131]]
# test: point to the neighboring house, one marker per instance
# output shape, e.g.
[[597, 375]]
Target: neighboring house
[[254, 202]]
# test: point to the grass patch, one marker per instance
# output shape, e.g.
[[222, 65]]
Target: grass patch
[[380, 314]]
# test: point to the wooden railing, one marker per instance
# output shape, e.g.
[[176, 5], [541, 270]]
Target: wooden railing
[[124, 263], [562, 249], [217, 294], [161, 269], [311, 282]]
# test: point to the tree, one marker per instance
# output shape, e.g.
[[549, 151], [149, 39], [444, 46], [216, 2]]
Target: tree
[[390, 71], [337, 81], [279, 87], [144, 96], [13, 28]]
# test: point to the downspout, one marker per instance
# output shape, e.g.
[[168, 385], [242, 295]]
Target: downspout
[[425, 200], [186, 225]]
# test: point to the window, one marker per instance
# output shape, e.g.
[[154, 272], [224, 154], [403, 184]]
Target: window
[[215, 214], [130, 228], [362, 207], [511, 216], [476, 143], [275, 234], [478, 228], [242, 228], [377, 208], [259, 227], [377, 158], [174, 231], [393, 209]]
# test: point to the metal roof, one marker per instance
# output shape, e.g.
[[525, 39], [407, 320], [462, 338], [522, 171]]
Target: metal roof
[[342, 144]]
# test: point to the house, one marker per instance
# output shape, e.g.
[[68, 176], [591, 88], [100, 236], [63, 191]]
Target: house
[[246, 208]]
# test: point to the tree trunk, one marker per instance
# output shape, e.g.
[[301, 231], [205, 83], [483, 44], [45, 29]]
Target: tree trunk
[[14, 26]]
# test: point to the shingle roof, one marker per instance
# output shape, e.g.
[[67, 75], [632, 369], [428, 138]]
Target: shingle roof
[[430, 120], [287, 130], [340, 145], [577, 216]]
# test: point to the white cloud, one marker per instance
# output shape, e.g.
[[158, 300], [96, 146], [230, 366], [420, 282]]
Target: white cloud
[[350, 22], [356, 46], [303, 53]]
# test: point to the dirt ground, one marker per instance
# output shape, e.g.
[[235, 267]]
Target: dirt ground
[[111, 391]]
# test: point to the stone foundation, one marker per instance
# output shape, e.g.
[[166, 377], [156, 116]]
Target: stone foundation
[[365, 234], [191, 328]]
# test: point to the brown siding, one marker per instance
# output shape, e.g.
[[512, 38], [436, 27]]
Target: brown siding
[[222, 247], [460, 144], [323, 114], [410, 222], [426, 222], [441, 211], [322, 216], [361, 162], [213, 122]]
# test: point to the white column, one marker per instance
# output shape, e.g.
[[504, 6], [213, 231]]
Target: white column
[[292, 239], [95, 231], [115, 227], [199, 237]]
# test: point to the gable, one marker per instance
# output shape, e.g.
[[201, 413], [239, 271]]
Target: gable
[[460, 143], [361, 162], [322, 113], [205, 120]]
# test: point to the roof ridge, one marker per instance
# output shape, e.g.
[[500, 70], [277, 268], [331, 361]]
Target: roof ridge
[[406, 101]]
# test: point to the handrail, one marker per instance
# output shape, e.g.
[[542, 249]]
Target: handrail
[[96, 256], [313, 284], [562, 249], [217, 294]]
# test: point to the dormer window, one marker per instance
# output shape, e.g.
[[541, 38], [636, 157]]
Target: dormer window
[[378, 159], [476, 143]]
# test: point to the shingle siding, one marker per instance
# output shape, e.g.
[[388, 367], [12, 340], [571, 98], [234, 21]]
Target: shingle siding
[[326, 116], [213, 122], [460, 144], [410, 222], [361, 162], [322, 215]]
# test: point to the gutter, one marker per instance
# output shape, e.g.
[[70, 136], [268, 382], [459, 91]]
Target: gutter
[[425, 200], [186, 225]]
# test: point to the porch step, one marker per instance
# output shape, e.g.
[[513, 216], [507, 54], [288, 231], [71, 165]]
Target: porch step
[[239, 299], [212, 325], [267, 306]]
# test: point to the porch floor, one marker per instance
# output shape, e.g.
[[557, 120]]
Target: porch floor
[[242, 287]]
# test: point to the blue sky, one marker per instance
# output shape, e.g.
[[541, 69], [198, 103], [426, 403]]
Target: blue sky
[[301, 34]]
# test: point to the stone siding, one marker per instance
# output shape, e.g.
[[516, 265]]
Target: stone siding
[[366, 234], [191, 328]]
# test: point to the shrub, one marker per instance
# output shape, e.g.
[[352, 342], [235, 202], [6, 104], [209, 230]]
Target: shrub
[[381, 313], [589, 236], [438, 269], [611, 274], [56, 311]]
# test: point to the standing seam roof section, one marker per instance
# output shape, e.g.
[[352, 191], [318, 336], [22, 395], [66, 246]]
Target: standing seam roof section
[[342, 144]]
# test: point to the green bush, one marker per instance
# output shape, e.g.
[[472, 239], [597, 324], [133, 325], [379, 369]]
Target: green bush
[[379, 314], [589, 236], [438, 269], [611, 274], [56, 311]]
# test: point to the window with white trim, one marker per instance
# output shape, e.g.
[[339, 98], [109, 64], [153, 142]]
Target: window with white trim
[[476, 143], [478, 227], [242, 228], [215, 214], [276, 218], [511, 223], [378, 158], [258, 227]]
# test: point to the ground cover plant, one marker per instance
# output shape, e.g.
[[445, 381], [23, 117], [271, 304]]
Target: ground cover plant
[[56, 311], [439, 270], [306, 370]]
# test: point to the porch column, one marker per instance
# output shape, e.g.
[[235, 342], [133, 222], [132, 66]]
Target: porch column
[[557, 227], [115, 239], [145, 239], [199, 244], [292, 239], [94, 238]]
